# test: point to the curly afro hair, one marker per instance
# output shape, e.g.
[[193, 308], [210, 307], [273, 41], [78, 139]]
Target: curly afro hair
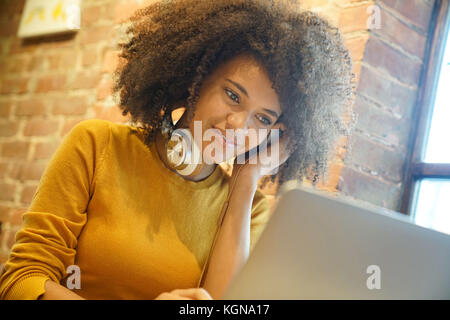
[[173, 45]]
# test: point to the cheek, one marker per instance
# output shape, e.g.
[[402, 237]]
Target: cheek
[[211, 108]]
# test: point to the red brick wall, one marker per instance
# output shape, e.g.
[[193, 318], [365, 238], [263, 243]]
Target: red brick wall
[[48, 85], [386, 97]]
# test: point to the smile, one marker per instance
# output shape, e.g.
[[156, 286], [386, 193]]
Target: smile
[[224, 139]]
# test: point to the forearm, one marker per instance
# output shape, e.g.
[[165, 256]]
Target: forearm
[[233, 242], [55, 291]]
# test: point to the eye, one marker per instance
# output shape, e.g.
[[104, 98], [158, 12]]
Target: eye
[[232, 95], [264, 120]]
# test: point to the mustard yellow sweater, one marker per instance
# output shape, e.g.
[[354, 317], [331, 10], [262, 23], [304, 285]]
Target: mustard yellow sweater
[[108, 205]]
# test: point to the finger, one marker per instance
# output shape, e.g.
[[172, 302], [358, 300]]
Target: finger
[[206, 294], [194, 293], [177, 297], [170, 296]]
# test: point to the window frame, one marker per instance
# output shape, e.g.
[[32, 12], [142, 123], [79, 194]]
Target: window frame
[[415, 168]]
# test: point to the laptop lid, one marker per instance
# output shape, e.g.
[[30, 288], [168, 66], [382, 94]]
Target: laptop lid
[[316, 246]]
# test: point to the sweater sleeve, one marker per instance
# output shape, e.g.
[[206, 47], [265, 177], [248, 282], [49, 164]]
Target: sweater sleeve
[[259, 217], [46, 243]]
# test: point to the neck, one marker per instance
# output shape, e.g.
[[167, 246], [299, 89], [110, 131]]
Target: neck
[[202, 171]]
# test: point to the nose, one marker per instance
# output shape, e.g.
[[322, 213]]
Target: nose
[[238, 120]]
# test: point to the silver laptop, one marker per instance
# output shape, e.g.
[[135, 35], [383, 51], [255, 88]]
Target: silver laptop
[[317, 246]]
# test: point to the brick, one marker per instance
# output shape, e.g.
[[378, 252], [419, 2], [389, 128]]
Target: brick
[[2, 242], [31, 171], [4, 214], [15, 150], [4, 167], [69, 124], [62, 60], [112, 113], [9, 129], [308, 5], [11, 238], [70, 106], [15, 168], [368, 188], [37, 127], [16, 218], [398, 65], [394, 96], [37, 64], [30, 107], [17, 85], [4, 46], [60, 41], [356, 46], [27, 195], [95, 35], [381, 124], [85, 80], [9, 28], [3, 64], [89, 57], [5, 109], [375, 158], [4, 255], [11, 8], [124, 9], [105, 88], [45, 150], [19, 46], [68, 60], [18, 64], [400, 34], [332, 180], [356, 70], [354, 18], [90, 15], [7, 191], [417, 11], [50, 83], [110, 61]]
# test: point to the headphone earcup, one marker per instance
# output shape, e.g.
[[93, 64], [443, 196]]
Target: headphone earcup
[[176, 150], [182, 152]]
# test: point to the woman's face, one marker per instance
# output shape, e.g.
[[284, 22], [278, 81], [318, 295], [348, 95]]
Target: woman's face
[[238, 95]]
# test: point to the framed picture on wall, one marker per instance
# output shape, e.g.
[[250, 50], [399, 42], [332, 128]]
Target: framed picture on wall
[[48, 17]]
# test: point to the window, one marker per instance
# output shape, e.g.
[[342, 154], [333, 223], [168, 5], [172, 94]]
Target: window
[[427, 186]]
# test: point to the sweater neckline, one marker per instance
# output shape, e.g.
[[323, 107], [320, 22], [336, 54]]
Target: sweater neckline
[[179, 180]]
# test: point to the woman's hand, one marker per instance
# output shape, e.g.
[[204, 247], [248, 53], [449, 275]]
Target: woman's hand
[[185, 294], [254, 168]]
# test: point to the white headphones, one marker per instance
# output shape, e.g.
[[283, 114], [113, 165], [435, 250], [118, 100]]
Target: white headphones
[[182, 152]]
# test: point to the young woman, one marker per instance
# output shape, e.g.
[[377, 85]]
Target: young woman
[[113, 218]]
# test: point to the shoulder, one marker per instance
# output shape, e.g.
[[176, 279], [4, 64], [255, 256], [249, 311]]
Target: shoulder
[[93, 123], [97, 127], [100, 129]]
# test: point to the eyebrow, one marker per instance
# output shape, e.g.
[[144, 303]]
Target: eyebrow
[[273, 113]]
